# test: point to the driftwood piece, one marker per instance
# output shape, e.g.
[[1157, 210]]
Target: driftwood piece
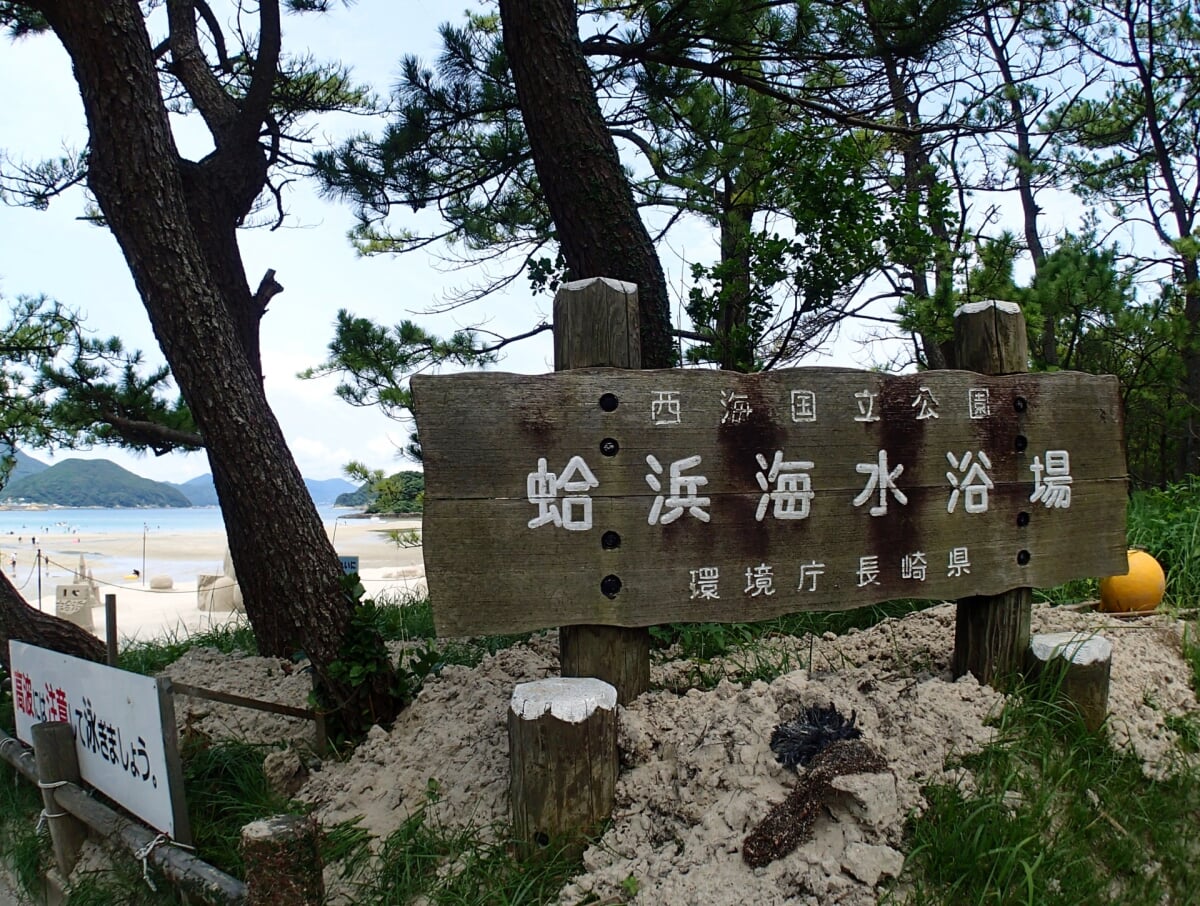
[[789, 823]]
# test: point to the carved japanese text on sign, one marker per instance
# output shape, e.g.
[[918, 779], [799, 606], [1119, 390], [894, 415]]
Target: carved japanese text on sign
[[636, 497]]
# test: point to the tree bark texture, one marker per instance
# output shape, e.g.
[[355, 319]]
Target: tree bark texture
[[597, 222], [175, 221], [736, 343]]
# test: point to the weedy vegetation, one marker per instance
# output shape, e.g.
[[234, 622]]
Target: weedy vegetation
[[1055, 815]]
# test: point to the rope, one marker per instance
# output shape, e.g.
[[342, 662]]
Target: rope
[[144, 855], [41, 821], [114, 585], [32, 570], [49, 785]]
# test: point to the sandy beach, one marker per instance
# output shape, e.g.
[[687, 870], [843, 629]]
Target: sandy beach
[[183, 557]]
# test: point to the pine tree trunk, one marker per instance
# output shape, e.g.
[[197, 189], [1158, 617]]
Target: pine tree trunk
[[597, 223], [175, 222]]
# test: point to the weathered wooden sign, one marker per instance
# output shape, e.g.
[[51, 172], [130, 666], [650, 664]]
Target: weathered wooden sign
[[629, 498]]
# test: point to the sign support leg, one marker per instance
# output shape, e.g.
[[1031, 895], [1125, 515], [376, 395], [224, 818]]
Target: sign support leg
[[991, 632], [596, 324]]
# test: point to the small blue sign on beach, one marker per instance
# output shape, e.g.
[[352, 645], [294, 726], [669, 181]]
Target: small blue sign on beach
[[349, 564]]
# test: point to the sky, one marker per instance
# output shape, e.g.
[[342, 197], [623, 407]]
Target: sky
[[55, 253]]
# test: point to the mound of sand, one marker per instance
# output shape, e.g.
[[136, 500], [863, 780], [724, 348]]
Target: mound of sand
[[697, 774]]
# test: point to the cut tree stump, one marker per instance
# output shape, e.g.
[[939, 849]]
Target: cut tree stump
[[283, 861], [1086, 661], [562, 739]]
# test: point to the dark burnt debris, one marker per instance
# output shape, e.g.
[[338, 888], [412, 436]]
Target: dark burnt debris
[[799, 741], [790, 822]]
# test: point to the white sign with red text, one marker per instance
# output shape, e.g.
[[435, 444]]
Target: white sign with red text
[[117, 720]]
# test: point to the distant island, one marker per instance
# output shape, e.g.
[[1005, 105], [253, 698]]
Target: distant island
[[101, 483]]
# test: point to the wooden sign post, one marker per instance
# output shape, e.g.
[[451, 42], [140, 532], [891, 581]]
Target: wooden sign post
[[628, 498], [991, 633], [596, 323]]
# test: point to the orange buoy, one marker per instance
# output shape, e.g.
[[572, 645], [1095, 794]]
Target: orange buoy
[[1140, 589]]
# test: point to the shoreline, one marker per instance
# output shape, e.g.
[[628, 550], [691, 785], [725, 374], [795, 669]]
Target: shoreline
[[182, 557]]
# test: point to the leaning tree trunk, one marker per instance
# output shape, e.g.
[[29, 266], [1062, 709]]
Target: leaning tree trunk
[[595, 218], [21, 623], [177, 246]]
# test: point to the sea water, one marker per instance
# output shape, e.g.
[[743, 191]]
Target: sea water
[[28, 523], [22, 532]]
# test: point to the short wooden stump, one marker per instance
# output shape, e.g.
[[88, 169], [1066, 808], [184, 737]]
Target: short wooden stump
[[1087, 665], [283, 861], [562, 743]]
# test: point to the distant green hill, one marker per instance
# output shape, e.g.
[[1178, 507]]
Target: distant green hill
[[26, 466], [358, 497], [92, 482]]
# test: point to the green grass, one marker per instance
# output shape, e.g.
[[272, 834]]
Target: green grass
[[124, 884], [746, 652], [151, 657], [226, 789], [1072, 592], [426, 862], [1191, 651], [1057, 818], [1166, 524], [409, 618], [703, 641], [26, 854]]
